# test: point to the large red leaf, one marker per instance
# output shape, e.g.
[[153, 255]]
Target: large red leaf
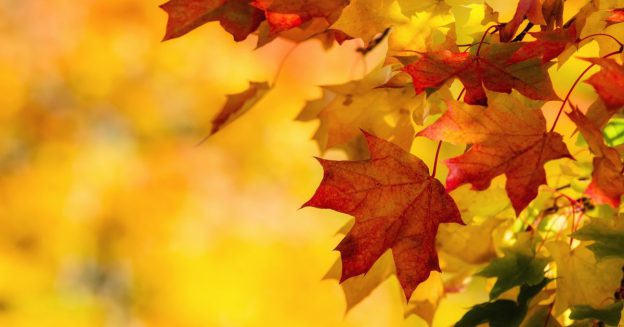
[[396, 204], [494, 69], [608, 82], [509, 137], [607, 185], [237, 17]]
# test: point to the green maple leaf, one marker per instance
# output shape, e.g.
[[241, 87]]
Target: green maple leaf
[[519, 266], [503, 313], [608, 237]]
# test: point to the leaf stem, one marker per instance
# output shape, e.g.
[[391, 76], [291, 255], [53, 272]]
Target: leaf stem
[[461, 93], [578, 79], [524, 32], [601, 34], [435, 161], [550, 307], [483, 37]]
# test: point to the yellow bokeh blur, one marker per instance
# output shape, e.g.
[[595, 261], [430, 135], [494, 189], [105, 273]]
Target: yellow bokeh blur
[[111, 215]]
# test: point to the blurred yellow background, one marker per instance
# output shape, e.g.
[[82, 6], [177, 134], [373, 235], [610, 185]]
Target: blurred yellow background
[[111, 215]]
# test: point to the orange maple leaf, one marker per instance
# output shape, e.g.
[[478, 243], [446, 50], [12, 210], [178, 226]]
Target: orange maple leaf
[[396, 204], [607, 185], [509, 137]]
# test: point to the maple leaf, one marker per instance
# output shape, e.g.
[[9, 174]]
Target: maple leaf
[[366, 18], [581, 280], [553, 13], [426, 297], [314, 28], [346, 108], [607, 237], [396, 204], [424, 300], [607, 185], [540, 315], [519, 266], [471, 244], [493, 69], [616, 16], [503, 313], [238, 104], [236, 16], [357, 288], [283, 15], [611, 314], [608, 82], [598, 113], [509, 138], [531, 9], [547, 45], [410, 7]]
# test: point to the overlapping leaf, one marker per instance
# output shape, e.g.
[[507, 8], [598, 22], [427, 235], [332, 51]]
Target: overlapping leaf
[[236, 16], [239, 103], [366, 18], [607, 185], [547, 45], [285, 14], [581, 280], [509, 138], [519, 266], [607, 237], [242, 17], [610, 314], [494, 69], [531, 9], [345, 109], [608, 82], [503, 313], [357, 288], [616, 16], [414, 204]]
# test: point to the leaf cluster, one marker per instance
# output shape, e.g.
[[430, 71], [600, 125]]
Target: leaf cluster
[[522, 204]]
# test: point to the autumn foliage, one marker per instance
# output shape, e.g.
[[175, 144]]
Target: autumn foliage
[[552, 237]]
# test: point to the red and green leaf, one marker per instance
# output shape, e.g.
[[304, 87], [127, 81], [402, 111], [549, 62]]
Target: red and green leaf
[[509, 137], [494, 69]]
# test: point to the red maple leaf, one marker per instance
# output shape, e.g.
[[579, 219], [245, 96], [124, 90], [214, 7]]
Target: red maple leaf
[[494, 68], [607, 185], [547, 45], [396, 204], [608, 82], [617, 16], [237, 17], [286, 14], [531, 9], [509, 137]]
